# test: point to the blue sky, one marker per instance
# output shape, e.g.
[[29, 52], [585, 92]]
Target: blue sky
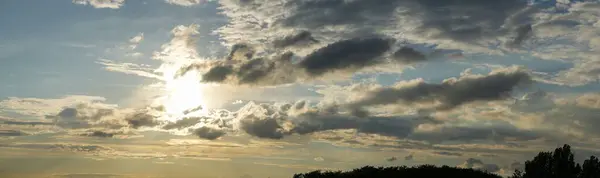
[[230, 88]]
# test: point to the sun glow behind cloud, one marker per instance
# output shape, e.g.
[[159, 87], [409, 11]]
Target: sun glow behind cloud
[[182, 95]]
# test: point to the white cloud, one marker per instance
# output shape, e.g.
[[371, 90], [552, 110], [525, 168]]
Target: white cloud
[[129, 68], [134, 41], [185, 2], [42, 107], [112, 4]]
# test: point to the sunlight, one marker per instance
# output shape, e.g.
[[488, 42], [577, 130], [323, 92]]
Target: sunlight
[[183, 95]]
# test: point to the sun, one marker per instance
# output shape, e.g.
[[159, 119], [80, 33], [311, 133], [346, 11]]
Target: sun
[[183, 96]]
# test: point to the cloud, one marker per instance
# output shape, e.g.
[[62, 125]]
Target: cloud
[[129, 68], [444, 153], [7, 121], [460, 24], [12, 133], [241, 51], [99, 134], [409, 157], [90, 175], [451, 92], [478, 164], [345, 54], [319, 159], [134, 41], [81, 148], [241, 67], [408, 55], [111, 4], [208, 133], [183, 123], [301, 38], [88, 115], [185, 2], [392, 159], [39, 107]]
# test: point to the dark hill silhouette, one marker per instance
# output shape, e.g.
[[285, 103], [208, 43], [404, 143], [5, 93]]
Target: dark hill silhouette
[[557, 164]]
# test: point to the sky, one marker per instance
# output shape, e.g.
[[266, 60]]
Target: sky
[[261, 88]]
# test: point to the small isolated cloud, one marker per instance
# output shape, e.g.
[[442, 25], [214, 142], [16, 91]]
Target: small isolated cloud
[[445, 153], [129, 68], [392, 159], [111, 4], [319, 159], [185, 2], [409, 157], [134, 41], [478, 164]]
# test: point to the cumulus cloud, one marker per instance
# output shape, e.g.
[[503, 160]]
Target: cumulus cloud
[[352, 53], [478, 164], [89, 115], [111, 4], [451, 92], [208, 133], [242, 67], [459, 24]]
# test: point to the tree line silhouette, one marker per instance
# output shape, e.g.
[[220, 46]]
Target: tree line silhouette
[[557, 164]]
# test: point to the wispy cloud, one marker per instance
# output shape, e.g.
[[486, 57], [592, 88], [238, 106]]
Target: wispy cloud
[[111, 4]]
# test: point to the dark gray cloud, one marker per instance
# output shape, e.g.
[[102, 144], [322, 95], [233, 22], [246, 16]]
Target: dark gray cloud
[[522, 33], [408, 55], [301, 38], [458, 20], [141, 119], [99, 133], [392, 159], [478, 164], [409, 157], [208, 133], [12, 133], [217, 74], [500, 133], [353, 53], [241, 52], [450, 93], [182, 123], [263, 127], [7, 121], [445, 153]]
